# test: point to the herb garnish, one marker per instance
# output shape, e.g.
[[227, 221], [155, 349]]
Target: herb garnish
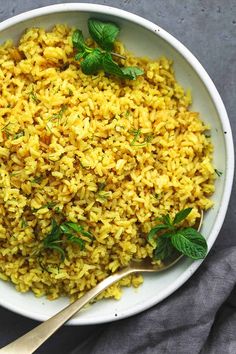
[[127, 113], [95, 59], [6, 129], [58, 116], [58, 210], [101, 186], [49, 205], [33, 96], [23, 223], [82, 165], [19, 135], [219, 173], [37, 179], [167, 237], [71, 230], [156, 196], [102, 195], [136, 134], [104, 34]]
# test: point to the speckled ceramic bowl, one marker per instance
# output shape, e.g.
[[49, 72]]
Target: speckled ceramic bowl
[[141, 37]]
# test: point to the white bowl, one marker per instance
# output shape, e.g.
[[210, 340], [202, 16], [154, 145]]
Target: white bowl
[[141, 37]]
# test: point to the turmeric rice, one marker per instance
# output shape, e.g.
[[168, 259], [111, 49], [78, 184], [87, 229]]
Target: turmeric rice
[[108, 154]]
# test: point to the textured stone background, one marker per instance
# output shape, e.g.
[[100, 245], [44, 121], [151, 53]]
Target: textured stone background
[[208, 29]]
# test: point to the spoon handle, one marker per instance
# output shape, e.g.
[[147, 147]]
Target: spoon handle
[[32, 340]]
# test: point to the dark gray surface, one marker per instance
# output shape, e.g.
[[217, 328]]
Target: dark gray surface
[[199, 318], [208, 29]]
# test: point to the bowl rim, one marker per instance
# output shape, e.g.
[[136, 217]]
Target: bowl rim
[[219, 106]]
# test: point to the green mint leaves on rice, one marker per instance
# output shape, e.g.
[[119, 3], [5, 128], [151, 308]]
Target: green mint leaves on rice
[[111, 67], [190, 242], [65, 232], [95, 59], [103, 33], [167, 238], [92, 63], [79, 42]]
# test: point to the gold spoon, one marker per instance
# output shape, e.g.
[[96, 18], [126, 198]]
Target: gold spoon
[[32, 340]]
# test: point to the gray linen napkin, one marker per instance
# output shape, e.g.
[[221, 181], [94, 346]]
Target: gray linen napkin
[[198, 318]]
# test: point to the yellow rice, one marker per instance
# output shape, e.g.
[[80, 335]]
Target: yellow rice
[[63, 134]]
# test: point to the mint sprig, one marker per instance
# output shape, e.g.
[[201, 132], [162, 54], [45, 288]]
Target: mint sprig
[[71, 232], [103, 33], [190, 242], [168, 237], [95, 59], [79, 42], [92, 63]]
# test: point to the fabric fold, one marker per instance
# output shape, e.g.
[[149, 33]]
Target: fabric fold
[[200, 317]]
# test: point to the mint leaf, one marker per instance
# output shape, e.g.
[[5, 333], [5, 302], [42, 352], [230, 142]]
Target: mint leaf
[[19, 135], [181, 215], [54, 235], [103, 33], [110, 66], [153, 232], [80, 55], [78, 41], [165, 219], [49, 205], [72, 226], [54, 238], [164, 249], [190, 242], [131, 72], [58, 249], [92, 63], [76, 239], [70, 229], [69, 226], [219, 173], [187, 241]]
